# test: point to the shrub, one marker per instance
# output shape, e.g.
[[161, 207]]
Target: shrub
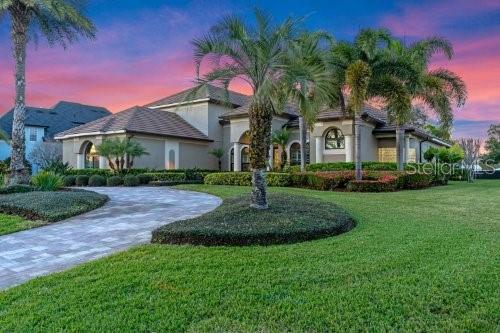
[[166, 176], [57, 166], [143, 178], [344, 166], [97, 180], [173, 183], [385, 183], [131, 180], [322, 181], [47, 181], [16, 189], [51, 206], [115, 181], [289, 219], [82, 180], [229, 178], [69, 180], [413, 180], [278, 179]]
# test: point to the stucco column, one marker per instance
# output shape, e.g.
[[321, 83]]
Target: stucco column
[[237, 156], [349, 148], [271, 158], [319, 149], [103, 163], [407, 149], [80, 161]]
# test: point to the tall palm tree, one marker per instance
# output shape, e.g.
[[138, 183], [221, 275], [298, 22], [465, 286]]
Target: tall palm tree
[[438, 89], [256, 56], [310, 85], [359, 68], [60, 21]]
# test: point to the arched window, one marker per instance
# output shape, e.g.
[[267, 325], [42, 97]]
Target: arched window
[[245, 159], [295, 153], [334, 139], [91, 157]]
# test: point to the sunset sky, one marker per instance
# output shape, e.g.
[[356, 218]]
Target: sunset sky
[[143, 51]]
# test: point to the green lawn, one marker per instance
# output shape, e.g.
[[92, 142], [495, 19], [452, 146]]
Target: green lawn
[[12, 223], [423, 260]]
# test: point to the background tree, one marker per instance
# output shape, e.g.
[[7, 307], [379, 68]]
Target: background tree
[[437, 89], [492, 144], [280, 138], [255, 55], [60, 21], [310, 87], [358, 69], [471, 148], [45, 153], [218, 153]]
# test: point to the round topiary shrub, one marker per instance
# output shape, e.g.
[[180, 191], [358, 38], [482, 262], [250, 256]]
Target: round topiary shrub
[[115, 181], [69, 181], [289, 219], [131, 180], [143, 179], [82, 180], [97, 180]]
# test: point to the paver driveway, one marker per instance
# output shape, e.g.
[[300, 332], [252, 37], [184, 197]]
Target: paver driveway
[[126, 220]]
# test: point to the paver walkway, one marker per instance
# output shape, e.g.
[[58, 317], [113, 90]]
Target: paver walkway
[[126, 220]]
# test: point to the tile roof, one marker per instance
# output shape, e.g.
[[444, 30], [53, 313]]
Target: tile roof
[[290, 111], [213, 93], [63, 116], [140, 120]]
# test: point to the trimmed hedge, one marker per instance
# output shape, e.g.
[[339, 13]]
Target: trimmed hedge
[[289, 219], [166, 176], [371, 186], [97, 180], [51, 206], [115, 181], [173, 183], [69, 180], [131, 180], [343, 166], [326, 181], [82, 180], [108, 172], [16, 189], [245, 178], [143, 179]]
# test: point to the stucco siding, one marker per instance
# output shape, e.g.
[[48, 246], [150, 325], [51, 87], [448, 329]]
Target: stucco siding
[[194, 155], [156, 149]]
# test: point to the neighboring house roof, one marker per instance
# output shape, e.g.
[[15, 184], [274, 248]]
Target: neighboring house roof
[[139, 120], [391, 129], [64, 115], [207, 92]]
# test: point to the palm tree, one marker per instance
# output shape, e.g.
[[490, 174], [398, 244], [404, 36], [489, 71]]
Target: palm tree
[[254, 55], [438, 89], [280, 138], [360, 68], [310, 85], [60, 21], [218, 153], [133, 149], [120, 153]]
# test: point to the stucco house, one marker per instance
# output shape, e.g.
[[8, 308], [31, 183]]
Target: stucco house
[[179, 131], [42, 123]]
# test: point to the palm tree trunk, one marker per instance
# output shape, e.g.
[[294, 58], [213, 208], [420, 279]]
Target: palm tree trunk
[[260, 118], [357, 148], [399, 147], [18, 173], [302, 138]]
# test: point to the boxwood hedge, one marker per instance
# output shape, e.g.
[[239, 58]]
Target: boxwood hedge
[[97, 180], [51, 206], [289, 219], [245, 178]]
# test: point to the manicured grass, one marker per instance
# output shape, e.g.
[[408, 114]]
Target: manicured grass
[[12, 223], [425, 260], [289, 219], [50, 206]]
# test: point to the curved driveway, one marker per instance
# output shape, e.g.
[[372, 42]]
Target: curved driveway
[[126, 220]]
